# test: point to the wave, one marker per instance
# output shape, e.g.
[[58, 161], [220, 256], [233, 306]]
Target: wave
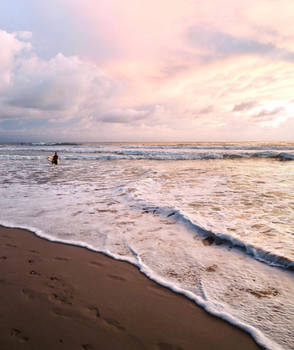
[[55, 144], [50, 144], [210, 237], [257, 147], [19, 157], [18, 145], [80, 154]]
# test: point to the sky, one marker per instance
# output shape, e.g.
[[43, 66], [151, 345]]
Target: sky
[[146, 70]]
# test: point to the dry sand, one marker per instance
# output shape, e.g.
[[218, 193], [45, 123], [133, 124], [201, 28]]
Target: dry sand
[[57, 296]]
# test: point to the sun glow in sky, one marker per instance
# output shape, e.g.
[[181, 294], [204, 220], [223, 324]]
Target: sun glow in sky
[[146, 70]]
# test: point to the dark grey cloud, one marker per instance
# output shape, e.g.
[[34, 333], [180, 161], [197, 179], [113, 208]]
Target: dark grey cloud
[[127, 115], [244, 106], [265, 115], [23, 123], [219, 45], [38, 97], [206, 110]]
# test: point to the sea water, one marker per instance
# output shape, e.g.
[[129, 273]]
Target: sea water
[[214, 222]]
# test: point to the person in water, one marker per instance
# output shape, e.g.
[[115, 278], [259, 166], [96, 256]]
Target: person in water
[[55, 158]]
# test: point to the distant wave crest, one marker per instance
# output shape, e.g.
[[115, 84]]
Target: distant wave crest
[[81, 154], [100, 151]]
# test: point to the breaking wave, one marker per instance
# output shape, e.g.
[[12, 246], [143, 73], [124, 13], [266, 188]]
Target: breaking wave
[[217, 238], [81, 154]]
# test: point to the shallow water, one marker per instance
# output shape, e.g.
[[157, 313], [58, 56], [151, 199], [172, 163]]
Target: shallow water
[[198, 218]]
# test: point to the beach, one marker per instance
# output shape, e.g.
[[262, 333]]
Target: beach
[[58, 296], [211, 225]]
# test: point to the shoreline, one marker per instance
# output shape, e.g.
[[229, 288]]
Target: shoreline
[[61, 296]]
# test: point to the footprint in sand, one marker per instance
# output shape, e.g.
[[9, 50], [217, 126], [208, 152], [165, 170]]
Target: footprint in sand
[[113, 323], [62, 297], [62, 292], [33, 272], [54, 278], [115, 277], [29, 293], [11, 245], [61, 258], [61, 312], [95, 310], [109, 321], [96, 263], [31, 261], [14, 332]]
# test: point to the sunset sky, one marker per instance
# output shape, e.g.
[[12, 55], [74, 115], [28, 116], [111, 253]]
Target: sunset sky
[[146, 70]]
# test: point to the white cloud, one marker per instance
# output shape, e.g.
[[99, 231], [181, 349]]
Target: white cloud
[[10, 47], [61, 86]]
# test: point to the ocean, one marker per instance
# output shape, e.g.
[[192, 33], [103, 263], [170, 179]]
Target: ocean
[[212, 221]]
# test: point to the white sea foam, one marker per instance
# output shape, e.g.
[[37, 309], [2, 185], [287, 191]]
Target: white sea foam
[[157, 215], [155, 152], [107, 155]]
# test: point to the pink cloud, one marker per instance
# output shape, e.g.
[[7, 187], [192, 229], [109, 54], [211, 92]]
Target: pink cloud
[[175, 66]]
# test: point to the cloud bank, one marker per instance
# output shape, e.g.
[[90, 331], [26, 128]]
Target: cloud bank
[[154, 71]]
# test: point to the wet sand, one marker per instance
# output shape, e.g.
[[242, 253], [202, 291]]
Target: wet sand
[[57, 296]]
